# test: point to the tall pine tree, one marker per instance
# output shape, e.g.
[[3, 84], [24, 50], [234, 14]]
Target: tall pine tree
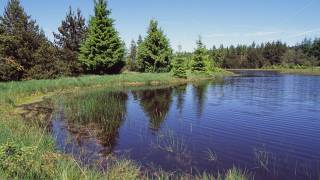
[[154, 53], [102, 51], [199, 58], [72, 32], [21, 45], [131, 59]]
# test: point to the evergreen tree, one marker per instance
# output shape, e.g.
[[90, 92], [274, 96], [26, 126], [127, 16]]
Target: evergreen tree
[[254, 58], [103, 50], [47, 64], [274, 51], [199, 58], [154, 53], [20, 43], [131, 62], [179, 68], [315, 51], [71, 34], [140, 40], [139, 64]]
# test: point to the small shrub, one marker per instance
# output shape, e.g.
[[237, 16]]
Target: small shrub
[[15, 160], [18, 161]]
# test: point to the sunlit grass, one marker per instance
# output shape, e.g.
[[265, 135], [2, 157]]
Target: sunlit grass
[[236, 174], [12, 91]]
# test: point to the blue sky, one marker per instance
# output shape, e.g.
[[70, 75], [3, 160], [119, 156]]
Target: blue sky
[[217, 21]]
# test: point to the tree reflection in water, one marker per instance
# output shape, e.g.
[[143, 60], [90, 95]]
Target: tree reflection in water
[[156, 104]]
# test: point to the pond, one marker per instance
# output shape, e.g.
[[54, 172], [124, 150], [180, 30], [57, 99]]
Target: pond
[[263, 122]]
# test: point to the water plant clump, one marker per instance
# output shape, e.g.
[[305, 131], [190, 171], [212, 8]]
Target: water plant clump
[[172, 143], [101, 111], [212, 155]]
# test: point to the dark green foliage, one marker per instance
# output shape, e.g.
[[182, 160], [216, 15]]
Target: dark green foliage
[[140, 40], [10, 69], [199, 58], [23, 46], [102, 51], [315, 50], [179, 68], [154, 53], [132, 56], [293, 57], [217, 56], [71, 34], [265, 55], [47, 65], [274, 51]]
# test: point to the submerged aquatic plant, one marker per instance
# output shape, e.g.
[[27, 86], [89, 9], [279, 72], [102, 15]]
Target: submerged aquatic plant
[[212, 155], [171, 143], [262, 158]]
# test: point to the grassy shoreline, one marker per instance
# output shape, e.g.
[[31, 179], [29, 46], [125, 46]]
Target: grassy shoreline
[[308, 71], [300, 71], [34, 155], [17, 92]]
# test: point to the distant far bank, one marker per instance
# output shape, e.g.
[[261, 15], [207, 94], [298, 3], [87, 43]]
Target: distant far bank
[[301, 71]]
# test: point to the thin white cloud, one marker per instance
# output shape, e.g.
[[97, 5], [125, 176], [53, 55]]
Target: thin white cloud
[[305, 33], [213, 35], [263, 33], [250, 34]]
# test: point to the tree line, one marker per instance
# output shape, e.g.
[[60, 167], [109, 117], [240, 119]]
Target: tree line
[[270, 54], [97, 48]]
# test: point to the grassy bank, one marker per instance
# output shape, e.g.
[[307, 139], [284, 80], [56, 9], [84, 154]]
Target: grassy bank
[[27, 151], [302, 71], [306, 71], [17, 92]]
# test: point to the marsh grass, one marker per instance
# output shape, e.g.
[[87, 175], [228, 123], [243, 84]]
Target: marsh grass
[[236, 174]]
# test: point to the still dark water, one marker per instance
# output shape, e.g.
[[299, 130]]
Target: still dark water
[[263, 122]]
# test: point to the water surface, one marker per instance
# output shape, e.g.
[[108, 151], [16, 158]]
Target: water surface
[[264, 122]]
